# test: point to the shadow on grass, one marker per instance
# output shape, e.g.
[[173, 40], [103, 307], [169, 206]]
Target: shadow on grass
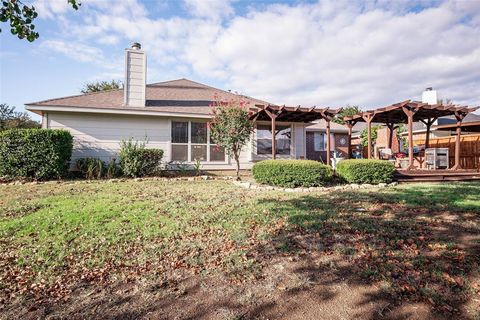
[[419, 243]]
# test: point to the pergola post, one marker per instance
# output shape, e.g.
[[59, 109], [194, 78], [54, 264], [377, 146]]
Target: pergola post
[[368, 119], [409, 112], [391, 128], [428, 123], [349, 145], [273, 117], [329, 147], [459, 116]]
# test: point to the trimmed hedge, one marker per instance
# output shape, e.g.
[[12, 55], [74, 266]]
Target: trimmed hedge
[[35, 153], [292, 173], [365, 171]]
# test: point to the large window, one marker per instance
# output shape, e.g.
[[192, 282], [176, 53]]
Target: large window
[[190, 142], [283, 137]]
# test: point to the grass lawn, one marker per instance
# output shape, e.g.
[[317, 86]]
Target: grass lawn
[[416, 244]]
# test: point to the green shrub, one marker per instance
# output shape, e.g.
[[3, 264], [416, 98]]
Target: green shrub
[[113, 170], [152, 159], [365, 171], [137, 161], [91, 168], [291, 173], [35, 153]]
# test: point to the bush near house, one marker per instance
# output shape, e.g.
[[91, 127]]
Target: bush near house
[[365, 171], [137, 161], [292, 173], [95, 168], [91, 168], [35, 153]]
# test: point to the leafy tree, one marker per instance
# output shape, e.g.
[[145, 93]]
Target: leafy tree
[[346, 111], [231, 127], [10, 119], [21, 17], [101, 86]]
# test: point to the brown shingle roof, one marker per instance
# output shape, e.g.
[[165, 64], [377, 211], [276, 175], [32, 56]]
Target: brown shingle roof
[[322, 126], [179, 96]]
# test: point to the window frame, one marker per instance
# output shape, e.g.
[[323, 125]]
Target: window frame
[[189, 144], [291, 147]]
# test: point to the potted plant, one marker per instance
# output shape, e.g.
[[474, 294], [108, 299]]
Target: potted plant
[[402, 159]]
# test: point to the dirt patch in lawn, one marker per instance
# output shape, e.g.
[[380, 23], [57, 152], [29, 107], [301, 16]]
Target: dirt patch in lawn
[[293, 288]]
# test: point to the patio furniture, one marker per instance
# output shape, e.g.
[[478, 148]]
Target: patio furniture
[[385, 154], [437, 158]]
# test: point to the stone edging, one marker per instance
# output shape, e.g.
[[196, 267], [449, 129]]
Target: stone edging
[[352, 186]]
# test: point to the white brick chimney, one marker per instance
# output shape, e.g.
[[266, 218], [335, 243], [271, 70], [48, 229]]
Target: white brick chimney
[[429, 96], [135, 76]]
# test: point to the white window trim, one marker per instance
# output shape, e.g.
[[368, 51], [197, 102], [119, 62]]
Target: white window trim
[[189, 144]]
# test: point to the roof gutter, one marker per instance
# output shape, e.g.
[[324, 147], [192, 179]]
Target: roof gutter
[[37, 108]]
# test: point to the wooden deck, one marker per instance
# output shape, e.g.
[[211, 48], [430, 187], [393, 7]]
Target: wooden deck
[[435, 175]]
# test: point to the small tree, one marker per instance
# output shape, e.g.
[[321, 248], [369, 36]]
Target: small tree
[[231, 127], [101, 86], [346, 111], [11, 119]]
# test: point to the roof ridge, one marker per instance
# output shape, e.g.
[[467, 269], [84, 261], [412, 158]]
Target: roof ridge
[[210, 87], [151, 85]]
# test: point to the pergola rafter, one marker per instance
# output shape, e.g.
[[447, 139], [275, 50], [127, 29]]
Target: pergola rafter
[[408, 112], [284, 113]]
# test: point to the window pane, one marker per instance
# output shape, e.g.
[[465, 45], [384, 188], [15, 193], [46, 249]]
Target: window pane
[[282, 139], [179, 152], [264, 146], [318, 141], [199, 132], [264, 132], [199, 152], [217, 153], [179, 132]]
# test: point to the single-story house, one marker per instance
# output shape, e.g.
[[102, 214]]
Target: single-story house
[[173, 116]]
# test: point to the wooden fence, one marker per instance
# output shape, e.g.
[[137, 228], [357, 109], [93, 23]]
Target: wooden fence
[[469, 149]]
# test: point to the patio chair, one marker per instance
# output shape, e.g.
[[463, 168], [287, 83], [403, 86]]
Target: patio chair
[[385, 154]]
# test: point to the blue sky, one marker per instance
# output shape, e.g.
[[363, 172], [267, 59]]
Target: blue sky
[[326, 53]]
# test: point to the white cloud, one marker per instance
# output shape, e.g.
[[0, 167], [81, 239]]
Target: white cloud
[[329, 53], [49, 9], [82, 53], [213, 9]]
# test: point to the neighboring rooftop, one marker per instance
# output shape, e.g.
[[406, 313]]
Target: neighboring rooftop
[[178, 96], [471, 117], [321, 125]]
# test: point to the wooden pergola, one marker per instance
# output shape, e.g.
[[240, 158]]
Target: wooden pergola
[[276, 113], [408, 112]]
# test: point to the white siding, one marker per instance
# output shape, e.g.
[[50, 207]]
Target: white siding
[[100, 135], [97, 135], [300, 140], [135, 69]]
